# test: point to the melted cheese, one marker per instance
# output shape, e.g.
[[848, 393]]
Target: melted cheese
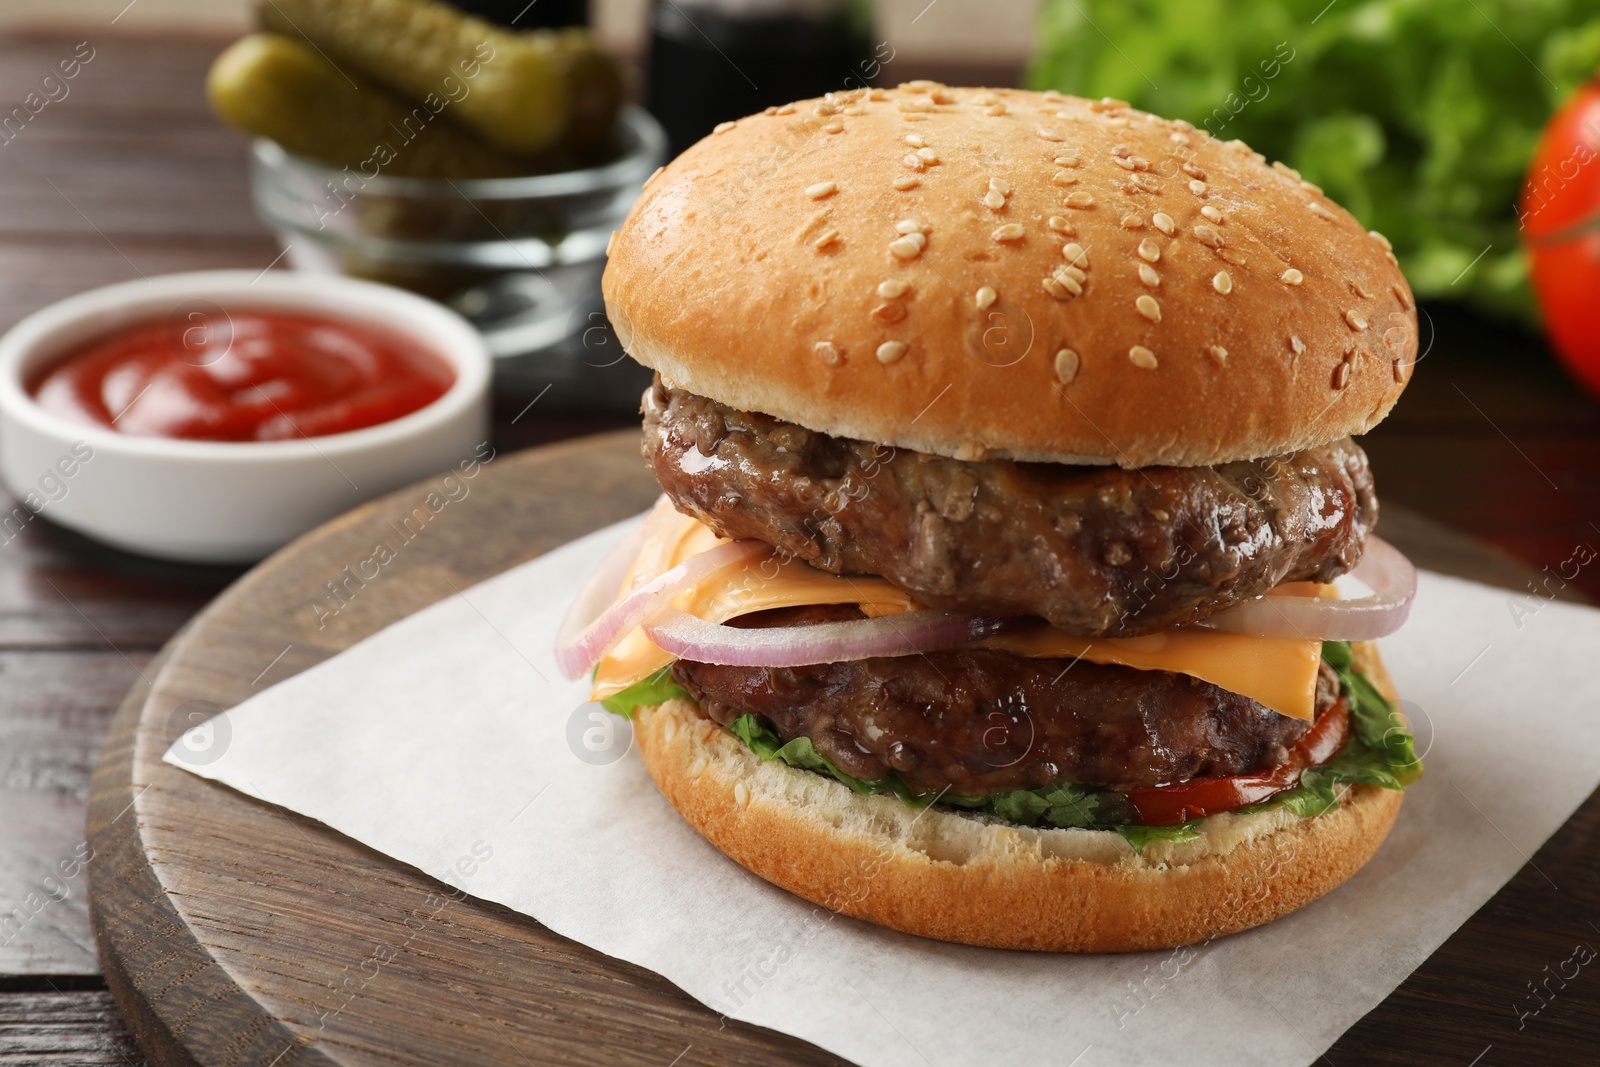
[[1279, 673]]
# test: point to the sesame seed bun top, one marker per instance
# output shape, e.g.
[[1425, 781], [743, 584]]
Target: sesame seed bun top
[[981, 272]]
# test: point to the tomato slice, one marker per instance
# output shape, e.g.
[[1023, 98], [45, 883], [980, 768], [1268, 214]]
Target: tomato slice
[[1171, 804]]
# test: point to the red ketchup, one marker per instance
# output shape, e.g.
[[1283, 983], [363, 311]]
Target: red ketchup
[[207, 375]]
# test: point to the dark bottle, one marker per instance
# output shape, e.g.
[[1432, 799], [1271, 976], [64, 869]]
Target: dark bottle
[[716, 60], [528, 14]]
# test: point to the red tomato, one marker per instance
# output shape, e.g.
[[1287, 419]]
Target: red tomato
[[1560, 217], [1172, 804]]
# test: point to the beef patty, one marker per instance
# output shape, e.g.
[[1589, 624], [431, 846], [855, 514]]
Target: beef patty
[[1095, 550], [978, 721]]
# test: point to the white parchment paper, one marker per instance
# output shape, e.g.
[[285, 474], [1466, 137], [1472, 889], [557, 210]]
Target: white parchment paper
[[450, 742]]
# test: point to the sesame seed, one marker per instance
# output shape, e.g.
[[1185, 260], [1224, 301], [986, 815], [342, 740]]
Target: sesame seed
[[1077, 274], [1149, 307], [1011, 231], [1208, 237], [722, 127], [921, 239], [993, 200], [1341, 376], [1318, 210], [1067, 363], [1311, 187], [1218, 354], [827, 238], [1182, 124], [853, 109], [1000, 185], [909, 226], [905, 248], [1401, 295], [1296, 345], [915, 103], [1178, 138], [928, 155], [915, 140], [1193, 171], [1210, 212], [1222, 283], [1238, 145], [1125, 164], [1079, 200], [940, 96], [1065, 177], [1359, 289], [1148, 275], [1049, 134], [1283, 168], [995, 110], [912, 161], [984, 99], [906, 182], [741, 794], [1163, 222], [892, 288], [1073, 253], [985, 297], [1198, 188], [1063, 286], [821, 190], [1142, 357], [1381, 239], [834, 127], [786, 109], [1067, 161], [1060, 224], [914, 118], [1400, 370], [1149, 251], [1353, 317], [890, 351], [1119, 123], [611, 241], [653, 176], [827, 352], [1133, 222], [1291, 277], [889, 313], [1121, 151], [1145, 182], [1390, 257], [1230, 255]]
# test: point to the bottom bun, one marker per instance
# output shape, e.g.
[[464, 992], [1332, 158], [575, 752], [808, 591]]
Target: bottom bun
[[972, 879]]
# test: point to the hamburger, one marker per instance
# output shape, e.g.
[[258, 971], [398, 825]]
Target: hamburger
[[1014, 580]]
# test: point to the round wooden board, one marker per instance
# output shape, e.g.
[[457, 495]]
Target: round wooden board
[[235, 932]]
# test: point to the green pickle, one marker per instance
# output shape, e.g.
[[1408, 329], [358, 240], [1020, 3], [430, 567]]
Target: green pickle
[[276, 87], [509, 88]]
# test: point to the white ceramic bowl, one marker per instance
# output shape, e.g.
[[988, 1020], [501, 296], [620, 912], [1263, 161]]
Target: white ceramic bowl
[[227, 502]]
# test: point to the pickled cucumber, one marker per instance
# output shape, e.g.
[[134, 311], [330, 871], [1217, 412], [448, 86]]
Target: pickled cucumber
[[277, 87], [505, 86]]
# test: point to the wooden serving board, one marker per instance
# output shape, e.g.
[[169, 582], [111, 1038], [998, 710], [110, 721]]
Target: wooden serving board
[[235, 932]]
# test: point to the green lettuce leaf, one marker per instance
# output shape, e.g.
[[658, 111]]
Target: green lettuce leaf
[[656, 689], [1420, 116]]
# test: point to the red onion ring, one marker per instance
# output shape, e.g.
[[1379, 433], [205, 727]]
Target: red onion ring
[[575, 655], [598, 594], [1383, 569], [692, 638]]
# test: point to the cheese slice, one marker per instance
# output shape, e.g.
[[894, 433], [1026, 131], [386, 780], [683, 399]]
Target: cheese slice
[[1279, 673]]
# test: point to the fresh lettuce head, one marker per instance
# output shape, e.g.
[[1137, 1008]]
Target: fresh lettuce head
[[1419, 116]]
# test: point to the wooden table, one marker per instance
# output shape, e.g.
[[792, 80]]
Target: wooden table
[[128, 175]]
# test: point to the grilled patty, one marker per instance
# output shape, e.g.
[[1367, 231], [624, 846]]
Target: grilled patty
[[1099, 551], [980, 721]]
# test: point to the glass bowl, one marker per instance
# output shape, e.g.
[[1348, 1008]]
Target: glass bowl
[[520, 258]]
